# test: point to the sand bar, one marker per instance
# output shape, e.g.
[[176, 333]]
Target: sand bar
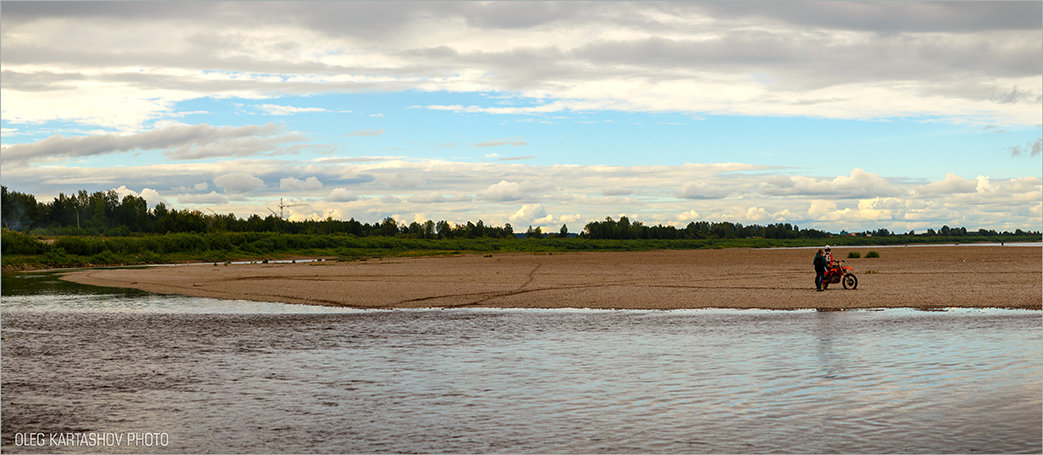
[[910, 277]]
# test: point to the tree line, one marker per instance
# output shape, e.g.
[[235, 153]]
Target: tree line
[[623, 228], [107, 214]]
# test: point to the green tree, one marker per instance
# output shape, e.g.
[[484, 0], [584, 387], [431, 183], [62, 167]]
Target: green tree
[[389, 227], [445, 230]]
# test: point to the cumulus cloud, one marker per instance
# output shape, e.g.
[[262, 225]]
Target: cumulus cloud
[[836, 202], [238, 182], [293, 184], [211, 198], [341, 195], [529, 213], [435, 197], [150, 195], [687, 216], [503, 191], [859, 184], [756, 214], [952, 184], [701, 190], [820, 208]]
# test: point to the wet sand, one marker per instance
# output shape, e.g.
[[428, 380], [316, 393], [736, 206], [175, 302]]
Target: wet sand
[[908, 277]]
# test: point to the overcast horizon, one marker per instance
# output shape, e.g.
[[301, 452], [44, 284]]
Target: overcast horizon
[[829, 115]]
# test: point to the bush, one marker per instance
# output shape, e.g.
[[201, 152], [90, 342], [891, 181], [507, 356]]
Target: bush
[[81, 246], [105, 258], [14, 242], [149, 257], [854, 255], [872, 254]]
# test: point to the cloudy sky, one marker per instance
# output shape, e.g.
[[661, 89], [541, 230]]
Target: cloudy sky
[[834, 115]]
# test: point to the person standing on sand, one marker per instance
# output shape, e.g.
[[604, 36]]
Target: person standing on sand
[[820, 269]]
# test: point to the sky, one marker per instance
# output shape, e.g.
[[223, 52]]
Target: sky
[[830, 115]]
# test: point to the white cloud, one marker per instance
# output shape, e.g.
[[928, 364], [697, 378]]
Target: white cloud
[[820, 208], [687, 216], [212, 198], [435, 196], [181, 140], [503, 191], [756, 214], [571, 218], [702, 190], [341, 195], [293, 184], [859, 184], [618, 191], [238, 182], [449, 187], [150, 195], [952, 184], [278, 109], [528, 213], [697, 58]]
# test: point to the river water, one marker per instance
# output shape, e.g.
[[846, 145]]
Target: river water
[[241, 377]]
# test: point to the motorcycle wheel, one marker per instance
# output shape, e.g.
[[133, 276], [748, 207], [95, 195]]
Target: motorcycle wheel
[[850, 281]]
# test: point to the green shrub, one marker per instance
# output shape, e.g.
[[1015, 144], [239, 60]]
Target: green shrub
[[104, 258], [81, 246], [854, 255], [872, 254], [149, 257], [15, 242]]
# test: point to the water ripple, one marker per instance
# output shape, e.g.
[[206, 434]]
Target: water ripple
[[279, 380]]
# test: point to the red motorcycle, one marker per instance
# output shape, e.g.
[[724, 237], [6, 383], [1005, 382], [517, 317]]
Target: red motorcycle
[[837, 272]]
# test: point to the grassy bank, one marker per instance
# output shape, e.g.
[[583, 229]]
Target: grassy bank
[[21, 251]]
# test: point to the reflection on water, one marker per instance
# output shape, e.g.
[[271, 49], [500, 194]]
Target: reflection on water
[[279, 380], [46, 292]]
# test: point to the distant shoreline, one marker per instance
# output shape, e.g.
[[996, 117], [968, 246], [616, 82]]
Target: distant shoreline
[[927, 277]]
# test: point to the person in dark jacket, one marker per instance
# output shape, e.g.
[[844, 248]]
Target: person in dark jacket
[[820, 269]]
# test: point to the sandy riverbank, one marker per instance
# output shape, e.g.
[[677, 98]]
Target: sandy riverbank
[[914, 277]]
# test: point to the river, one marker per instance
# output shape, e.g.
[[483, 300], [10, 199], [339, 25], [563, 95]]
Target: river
[[206, 375]]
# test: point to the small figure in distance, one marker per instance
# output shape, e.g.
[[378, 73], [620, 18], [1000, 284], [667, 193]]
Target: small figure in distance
[[820, 269]]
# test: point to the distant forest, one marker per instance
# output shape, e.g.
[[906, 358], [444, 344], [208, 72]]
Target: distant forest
[[106, 214]]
